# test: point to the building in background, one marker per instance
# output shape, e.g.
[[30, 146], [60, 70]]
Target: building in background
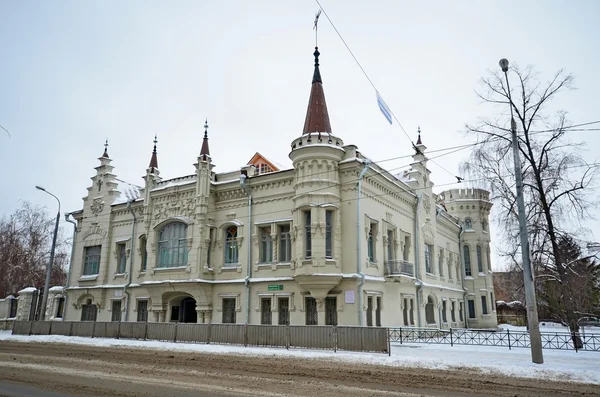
[[334, 240]]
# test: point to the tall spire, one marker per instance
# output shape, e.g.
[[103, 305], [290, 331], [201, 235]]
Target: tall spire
[[317, 117], [154, 159], [204, 151], [419, 142], [105, 154]]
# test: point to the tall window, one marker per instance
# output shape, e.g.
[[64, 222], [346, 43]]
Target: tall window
[[307, 235], [412, 312], [441, 263], [89, 311], [429, 311], [453, 311], [122, 258], [172, 245], [14, 304], [449, 265], [311, 311], [329, 234], [467, 259], [144, 253], [460, 311], [390, 245], [211, 240], [479, 260], [406, 248], [284, 311], [142, 310], [471, 303], [228, 311], [428, 253], [231, 246], [285, 244], [484, 306], [492, 301], [371, 242], [378, 312], [265, 311], [266, 245], [60, 303], [444, 310], [91, 261], [489, 261], [369, 311], [116, 310], [405, 312], [331, 311], [468, 224]]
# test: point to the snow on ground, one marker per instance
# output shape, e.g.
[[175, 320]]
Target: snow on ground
[[553, 328], [564, 365]]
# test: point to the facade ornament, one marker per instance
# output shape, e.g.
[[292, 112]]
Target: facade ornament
[[427, 203], [97, 206]]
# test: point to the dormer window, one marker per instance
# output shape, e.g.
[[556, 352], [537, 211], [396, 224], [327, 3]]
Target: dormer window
[[468, 224]]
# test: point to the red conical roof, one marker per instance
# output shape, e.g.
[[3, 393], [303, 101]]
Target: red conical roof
[[205, 151], [154, 159], [317, 117]]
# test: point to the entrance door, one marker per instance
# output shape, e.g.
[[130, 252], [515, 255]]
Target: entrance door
[[188, 310]]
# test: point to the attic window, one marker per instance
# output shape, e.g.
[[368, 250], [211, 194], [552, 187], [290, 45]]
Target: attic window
[[263, 168]]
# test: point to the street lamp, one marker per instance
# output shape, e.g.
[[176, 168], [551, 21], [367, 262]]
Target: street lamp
[[532, 316], [51, 262]]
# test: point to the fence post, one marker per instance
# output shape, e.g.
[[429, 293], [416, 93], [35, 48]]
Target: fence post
[[175, 333], [400, 335], [508, 333], [389, 343], [71, 329], [245, 335], [451, 341], [94, 330], [30, 325], [333, 337], [209, 332], [146, 331], [119, 330], [287, 337]]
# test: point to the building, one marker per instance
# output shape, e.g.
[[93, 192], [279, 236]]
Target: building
[[334, 240]]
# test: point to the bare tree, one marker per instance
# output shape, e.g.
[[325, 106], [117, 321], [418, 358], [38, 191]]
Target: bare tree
[[557, 180], [25, 241]]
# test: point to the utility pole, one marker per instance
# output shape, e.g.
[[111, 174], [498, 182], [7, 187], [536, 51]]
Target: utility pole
[[535, 338]]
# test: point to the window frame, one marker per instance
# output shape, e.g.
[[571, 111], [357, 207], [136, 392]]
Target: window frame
[[143, 253], [232, 250], [484, 305], [471, 308], [88, 265], [226, 315], [141, 307], [480, 267], [467, 260], [468, 224], [307, 223], [428, 254], [121, 251], [172, 250], [329, 222], [285, 243], [115, 315], [266, 245]]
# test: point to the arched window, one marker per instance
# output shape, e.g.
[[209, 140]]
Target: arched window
[[172, 245], [429, 311], [231, 246], [468, 224], [479, 260], [467, 259]]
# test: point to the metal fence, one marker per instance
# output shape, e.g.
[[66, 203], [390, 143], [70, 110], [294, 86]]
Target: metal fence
[[362, 339], [510, 339]]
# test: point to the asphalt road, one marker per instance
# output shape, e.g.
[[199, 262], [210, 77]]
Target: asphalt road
[[55, 370]]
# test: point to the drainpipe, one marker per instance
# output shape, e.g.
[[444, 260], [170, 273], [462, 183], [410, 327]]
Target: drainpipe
[[462, 277], [70, 265], [130, 260], [361, 275], [243, 178], [417, 267]]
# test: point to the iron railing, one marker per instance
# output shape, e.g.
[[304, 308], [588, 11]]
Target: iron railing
[[505, 338], [396, 267]]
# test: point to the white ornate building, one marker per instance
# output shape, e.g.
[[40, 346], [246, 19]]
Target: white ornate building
[[334, 240]]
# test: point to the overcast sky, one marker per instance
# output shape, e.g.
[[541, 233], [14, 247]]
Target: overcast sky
[[74, 73]]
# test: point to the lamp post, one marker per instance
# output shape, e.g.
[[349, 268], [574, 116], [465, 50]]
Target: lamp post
[[532, 316], [51, 262]]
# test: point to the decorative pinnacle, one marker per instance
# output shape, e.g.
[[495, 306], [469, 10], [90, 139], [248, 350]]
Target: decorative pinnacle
[[155, 142], [206, 128], [419, 142], [317, 73], [105, 154]]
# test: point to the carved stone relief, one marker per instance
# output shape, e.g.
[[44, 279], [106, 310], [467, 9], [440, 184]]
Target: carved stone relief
[[97, 206]]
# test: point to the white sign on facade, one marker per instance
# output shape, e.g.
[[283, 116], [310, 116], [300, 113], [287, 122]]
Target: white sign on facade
[[349, 296]]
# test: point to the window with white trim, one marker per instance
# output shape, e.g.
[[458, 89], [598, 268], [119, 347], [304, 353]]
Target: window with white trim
[[467, 259], [371, 246], [390, 245], [468, 224], [285, 244], [444, 311], [143, 253], [121, 258], [266, 245], [231, 245], [428, 259], [329, 234], [307, 234], [142, 310], [479, 260], [228, 311], [116, 310], [172, 245], [484, 305], [453, 311], [471, 304], [441, 262], [91, 260]]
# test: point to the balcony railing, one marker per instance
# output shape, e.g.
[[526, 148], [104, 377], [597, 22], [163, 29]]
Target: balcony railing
[[396, 267]]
